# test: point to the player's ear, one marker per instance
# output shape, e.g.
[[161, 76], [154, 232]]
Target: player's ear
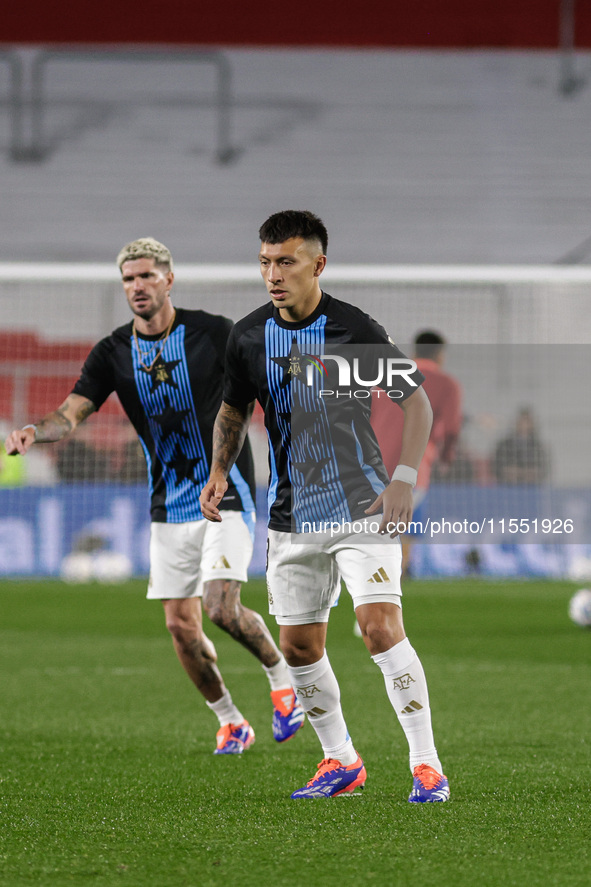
[[170, 278], [319, 266]]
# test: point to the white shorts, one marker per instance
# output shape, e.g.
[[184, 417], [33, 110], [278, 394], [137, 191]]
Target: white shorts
[[184, 556], [304, 578]]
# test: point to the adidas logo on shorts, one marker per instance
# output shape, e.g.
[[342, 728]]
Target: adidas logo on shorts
[[380, 576]]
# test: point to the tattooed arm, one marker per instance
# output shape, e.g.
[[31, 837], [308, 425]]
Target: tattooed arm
[[54, 426], [229, 431]]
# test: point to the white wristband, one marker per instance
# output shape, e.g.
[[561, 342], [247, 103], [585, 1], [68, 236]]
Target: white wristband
[[406, 474], [34, 427]]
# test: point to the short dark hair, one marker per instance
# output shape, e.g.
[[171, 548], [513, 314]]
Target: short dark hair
[[429, 344], [294, 223]]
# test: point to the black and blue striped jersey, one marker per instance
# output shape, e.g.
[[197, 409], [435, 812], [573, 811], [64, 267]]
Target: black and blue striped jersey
[[324, 459], [172, 408]]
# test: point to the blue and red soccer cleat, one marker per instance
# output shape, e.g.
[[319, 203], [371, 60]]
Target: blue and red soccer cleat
[[233, 739], [288, 714], [428, 785], [333, 779]]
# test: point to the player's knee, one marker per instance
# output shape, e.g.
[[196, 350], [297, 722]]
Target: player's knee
[[299, 653], [190, 640], [182, 630], [378, 637]]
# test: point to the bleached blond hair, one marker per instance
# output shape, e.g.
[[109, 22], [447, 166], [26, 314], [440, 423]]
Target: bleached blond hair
[[146, 248]]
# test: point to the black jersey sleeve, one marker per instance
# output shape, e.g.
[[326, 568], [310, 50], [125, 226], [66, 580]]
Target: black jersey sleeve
[[379, 357], [239, 389], [96, 380], [399, 372]]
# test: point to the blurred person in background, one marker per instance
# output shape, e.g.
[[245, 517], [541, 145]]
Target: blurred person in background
[[445, 394], [521, 457], [78, 460]]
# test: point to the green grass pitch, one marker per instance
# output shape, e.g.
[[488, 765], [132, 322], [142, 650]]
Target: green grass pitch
[[107, 775]]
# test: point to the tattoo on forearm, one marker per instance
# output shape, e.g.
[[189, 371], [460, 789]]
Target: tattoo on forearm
[[228, 436], [57, 425], [84, 411]]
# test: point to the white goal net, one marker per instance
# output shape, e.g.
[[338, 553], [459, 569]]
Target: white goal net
[[519, 338]]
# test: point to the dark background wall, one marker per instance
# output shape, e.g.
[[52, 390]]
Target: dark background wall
[[373, 23]]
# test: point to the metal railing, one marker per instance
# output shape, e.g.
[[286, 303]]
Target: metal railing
[[29, 104], [569, 81]]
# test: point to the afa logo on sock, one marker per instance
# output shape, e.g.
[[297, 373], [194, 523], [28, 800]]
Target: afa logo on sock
[[307, 692], [403, 682]]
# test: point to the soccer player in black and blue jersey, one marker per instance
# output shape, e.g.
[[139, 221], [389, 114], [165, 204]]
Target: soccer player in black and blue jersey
[[327, 471], [166, 366]]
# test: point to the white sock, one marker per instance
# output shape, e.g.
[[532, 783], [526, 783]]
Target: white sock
[[226, 711], [406, 686], [278, 675], [318, 692]]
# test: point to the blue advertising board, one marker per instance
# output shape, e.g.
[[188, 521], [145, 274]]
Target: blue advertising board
[[497, 531]]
